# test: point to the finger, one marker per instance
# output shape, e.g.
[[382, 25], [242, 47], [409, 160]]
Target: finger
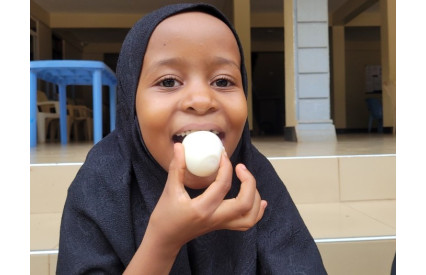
[[238, 207], [177, 167], [259, 205], [213, 196], [255, 214], [247, 208], [248, 189], [263, 205], [246, 177], [249, 218], [241, 222]]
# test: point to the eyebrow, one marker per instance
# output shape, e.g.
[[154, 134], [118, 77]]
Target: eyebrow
[[168, 61], [217, 60], [225, 61]]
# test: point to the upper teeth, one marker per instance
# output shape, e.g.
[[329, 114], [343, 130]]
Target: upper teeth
[[184, 134]]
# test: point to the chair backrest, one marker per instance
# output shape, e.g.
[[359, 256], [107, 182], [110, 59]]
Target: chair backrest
[[45, 105], [374, 105], [41, 96], [79, 111]]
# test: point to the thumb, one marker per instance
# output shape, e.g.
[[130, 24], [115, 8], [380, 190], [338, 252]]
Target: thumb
[[177, 166]]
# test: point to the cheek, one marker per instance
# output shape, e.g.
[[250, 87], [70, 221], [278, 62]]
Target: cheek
[[153, 119], [242, 117], [238, 113], [237, 117]]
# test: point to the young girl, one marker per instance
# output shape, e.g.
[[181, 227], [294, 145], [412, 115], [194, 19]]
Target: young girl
[[134, 208]]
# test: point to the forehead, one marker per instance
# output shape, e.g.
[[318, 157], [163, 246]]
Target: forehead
[[194, 21], [196, 28]]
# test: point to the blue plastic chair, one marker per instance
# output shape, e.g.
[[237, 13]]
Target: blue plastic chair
[[375, 110], [73, 72]]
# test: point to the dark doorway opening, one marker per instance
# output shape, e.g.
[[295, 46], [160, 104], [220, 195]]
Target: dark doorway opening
[[268, 93]]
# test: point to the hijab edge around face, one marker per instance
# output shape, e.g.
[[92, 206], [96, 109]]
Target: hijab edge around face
[[130, 65], [134, 47]]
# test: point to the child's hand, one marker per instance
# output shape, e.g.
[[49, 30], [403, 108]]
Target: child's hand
[[178, 219]]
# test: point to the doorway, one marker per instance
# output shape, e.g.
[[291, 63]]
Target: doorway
[[268, 93]]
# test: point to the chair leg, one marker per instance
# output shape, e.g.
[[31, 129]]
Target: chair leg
[[86, 133], [370, 123], [41, 130], [53, 126], [89, 128], [52, 129], [75, 130], [69, 127], [380, 125]]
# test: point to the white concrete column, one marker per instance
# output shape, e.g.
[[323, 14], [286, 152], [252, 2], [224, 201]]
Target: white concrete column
[[307, 71], [243, 27]]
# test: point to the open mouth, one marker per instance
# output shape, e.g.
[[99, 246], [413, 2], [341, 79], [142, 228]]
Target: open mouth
[[178, 138]]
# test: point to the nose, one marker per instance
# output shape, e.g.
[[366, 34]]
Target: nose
[[199, 99]]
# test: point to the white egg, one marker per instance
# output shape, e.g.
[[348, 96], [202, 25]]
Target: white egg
[[203, 150]]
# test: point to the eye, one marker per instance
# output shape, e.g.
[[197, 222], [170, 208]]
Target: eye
[[168, 82], [222, 82]]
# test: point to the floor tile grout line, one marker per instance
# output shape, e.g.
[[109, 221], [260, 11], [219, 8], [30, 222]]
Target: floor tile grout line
[[317, 240], [269, 158], [348, 204]]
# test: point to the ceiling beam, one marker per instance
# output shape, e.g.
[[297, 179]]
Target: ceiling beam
[[93, 20], [350, 10], [39, 13]]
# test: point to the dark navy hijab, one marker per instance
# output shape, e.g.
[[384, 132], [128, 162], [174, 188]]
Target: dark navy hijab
[[131, 59], [114, 193]]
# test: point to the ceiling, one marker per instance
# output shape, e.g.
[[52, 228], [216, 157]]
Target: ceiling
[[143, 6], [117, 35]]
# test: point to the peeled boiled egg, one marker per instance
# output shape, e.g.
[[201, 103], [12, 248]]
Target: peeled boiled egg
[[203, 150]]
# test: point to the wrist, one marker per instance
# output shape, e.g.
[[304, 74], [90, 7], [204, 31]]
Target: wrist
[[153, 255], [161, 243]]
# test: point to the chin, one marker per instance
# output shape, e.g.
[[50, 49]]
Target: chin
[[195, 182]]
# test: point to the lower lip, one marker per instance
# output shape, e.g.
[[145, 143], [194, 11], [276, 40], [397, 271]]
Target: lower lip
[[177, 139]]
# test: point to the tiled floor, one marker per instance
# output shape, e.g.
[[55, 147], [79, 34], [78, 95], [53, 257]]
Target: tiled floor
[[347, 144], [349, 219]]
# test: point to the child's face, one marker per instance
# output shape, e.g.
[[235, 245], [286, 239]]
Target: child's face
[[190, 81]]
